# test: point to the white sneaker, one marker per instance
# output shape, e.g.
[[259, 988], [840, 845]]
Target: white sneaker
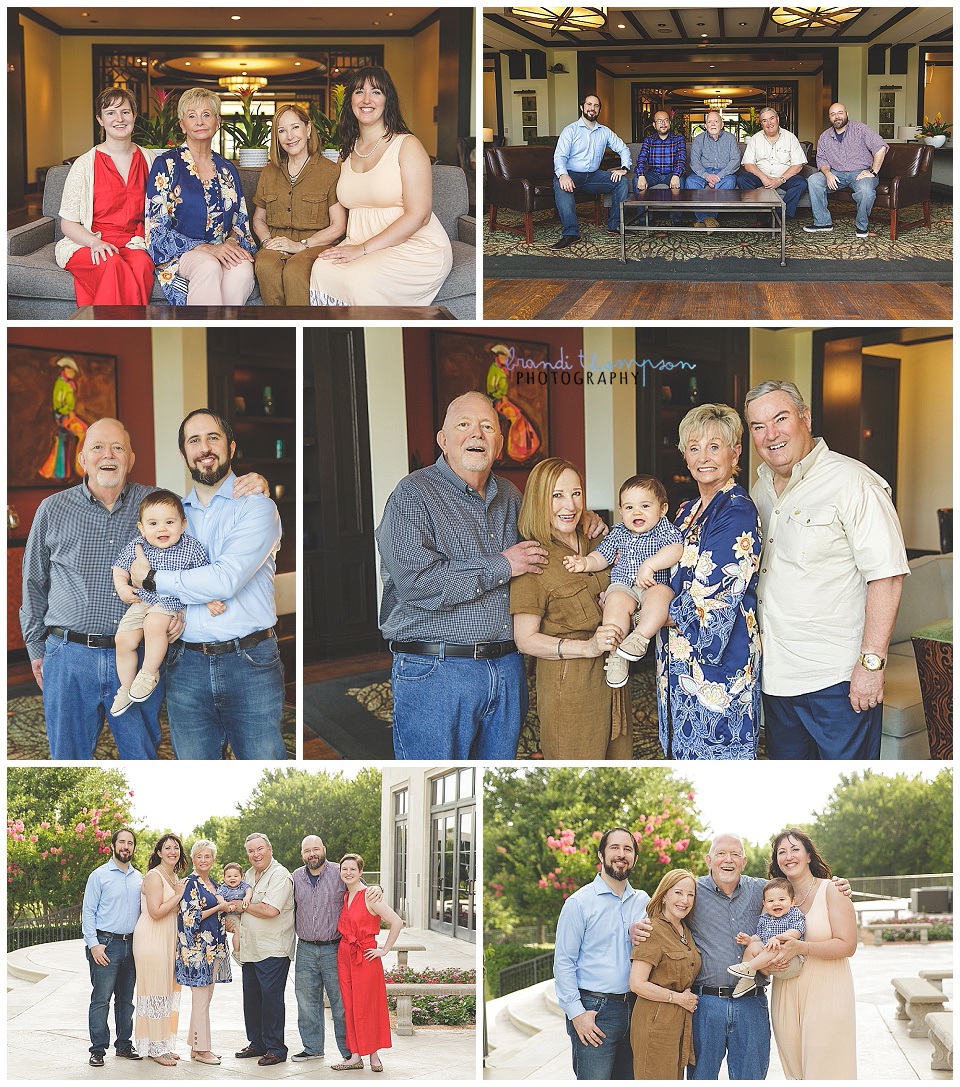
[[742, 971], [122, 701], [617, 669], [143, 685], [633, 646], [744, 986]]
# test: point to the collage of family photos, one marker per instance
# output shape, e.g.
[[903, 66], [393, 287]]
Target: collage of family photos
[[427, 428]]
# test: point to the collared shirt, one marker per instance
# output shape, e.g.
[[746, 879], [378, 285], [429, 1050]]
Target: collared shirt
[[715, 922], [774, 159], [268, 937], [720, 156], [242, 537], [301, 206], [593, 942], [444, 575], [663, 156], [626, 551], [768, 925], [581, 148], [186, 554], [111, 901], [233, 894], [833, 530], [854, 152], [67, 580], [317, 902]]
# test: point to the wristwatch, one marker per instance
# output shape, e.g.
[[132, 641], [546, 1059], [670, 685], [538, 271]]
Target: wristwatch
[[148, 582], [873, 662]]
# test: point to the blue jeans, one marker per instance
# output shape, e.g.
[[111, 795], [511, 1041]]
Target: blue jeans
[[316, 970], [740, 1028], [695, 181], [599, 181], [821, 725], [220, 698], [613, 1058], [456, 707], [117, 980], [79, 685], [793, 188], [653, 178], [263, 1011], [864, 194]]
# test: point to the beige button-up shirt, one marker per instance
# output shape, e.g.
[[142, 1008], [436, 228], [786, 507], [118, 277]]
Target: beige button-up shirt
[[774, 159], [268, 937], [832, 530]]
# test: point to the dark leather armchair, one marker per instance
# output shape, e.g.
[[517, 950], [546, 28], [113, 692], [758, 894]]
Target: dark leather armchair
[[519, 178], [903, 182]]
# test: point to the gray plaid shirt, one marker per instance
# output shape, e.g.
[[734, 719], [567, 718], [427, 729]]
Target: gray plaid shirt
[[715, 922], [67, 577]]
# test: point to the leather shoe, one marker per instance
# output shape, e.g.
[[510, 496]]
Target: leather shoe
[[130, 1053], [96, 1060], [249, 1051], [567, 239], [271, 1058], [615, 233]]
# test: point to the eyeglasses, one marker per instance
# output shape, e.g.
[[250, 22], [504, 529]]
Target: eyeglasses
[[723, 855]]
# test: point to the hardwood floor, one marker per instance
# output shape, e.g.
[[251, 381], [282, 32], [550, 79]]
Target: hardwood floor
[[590, 300]]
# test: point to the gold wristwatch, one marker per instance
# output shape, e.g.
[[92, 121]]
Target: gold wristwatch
[[873, 662]]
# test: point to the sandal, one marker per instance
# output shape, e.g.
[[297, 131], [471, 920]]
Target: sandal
[[346, 1066], [165, 1059]]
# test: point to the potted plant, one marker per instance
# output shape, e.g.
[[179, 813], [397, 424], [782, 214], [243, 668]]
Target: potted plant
[[162, 130], [750, 126], [250, 131], [934, 133], [328, 128]]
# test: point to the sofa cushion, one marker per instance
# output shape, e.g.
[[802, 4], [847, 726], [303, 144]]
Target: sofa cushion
[[927, 596]]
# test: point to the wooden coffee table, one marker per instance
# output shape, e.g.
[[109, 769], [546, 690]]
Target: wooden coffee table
[[306, 314], [759, 201]]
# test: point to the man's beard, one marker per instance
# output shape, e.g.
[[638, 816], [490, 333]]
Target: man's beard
[[614, 874], [211, 477], [316, 865], [122, 860]]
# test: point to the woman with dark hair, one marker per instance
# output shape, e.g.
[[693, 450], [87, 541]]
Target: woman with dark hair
[[297, 215], [395, 253], [157, 1002], [101, 211], [813, 1014]]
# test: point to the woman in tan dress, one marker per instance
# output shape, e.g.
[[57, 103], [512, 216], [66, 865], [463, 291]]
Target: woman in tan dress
[[557, 620], [814, 1014], [157, 1001], [297, 215], [664, 967]]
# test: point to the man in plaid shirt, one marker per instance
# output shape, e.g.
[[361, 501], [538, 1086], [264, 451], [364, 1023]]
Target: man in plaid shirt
[[662, 160]]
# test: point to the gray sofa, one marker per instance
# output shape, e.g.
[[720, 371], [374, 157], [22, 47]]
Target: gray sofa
[[37, 289]]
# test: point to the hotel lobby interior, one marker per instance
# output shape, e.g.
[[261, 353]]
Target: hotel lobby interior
[[890, 67]]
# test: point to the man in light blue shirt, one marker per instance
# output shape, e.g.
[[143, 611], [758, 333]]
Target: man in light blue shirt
[[591, 965], [714, 162], [576, 163], [111, 908], [224, 677]]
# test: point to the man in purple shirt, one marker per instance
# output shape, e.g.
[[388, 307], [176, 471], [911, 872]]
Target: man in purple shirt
[[849, 155], [317, 900]]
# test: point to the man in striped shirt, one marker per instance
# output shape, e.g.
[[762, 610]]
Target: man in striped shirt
[[662, 159]]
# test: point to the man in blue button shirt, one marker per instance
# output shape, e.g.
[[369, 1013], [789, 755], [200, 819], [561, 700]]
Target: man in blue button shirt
[[111, 908], [591, 964], [576, 164]]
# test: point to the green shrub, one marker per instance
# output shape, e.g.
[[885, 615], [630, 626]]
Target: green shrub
[[942, 929], [444, 1011], [497, 957]]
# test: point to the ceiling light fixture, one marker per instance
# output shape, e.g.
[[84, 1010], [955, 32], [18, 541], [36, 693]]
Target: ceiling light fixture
[[238, 83], [557, 19], [718, 103], [825, 18]]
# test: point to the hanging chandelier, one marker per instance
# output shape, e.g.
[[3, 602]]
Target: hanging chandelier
[[557, 19], [240, 83], [718, 103], [814, 18]]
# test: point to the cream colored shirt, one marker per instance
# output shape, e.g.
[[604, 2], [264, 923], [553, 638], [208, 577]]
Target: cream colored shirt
[[268, 937], [832, 530], [774, 159]]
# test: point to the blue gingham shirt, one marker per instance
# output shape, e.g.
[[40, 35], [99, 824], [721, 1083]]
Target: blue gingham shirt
[[440, 543], [663, 156], [769, 926], [186, 554], [715, 922], [581, 148], [67, 578], [626, 551]]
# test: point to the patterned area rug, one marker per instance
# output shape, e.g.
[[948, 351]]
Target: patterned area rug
[[27, 738], [917, 254]]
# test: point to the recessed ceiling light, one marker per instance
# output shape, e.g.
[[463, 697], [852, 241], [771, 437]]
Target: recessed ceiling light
[[235, 18], [621, 26], [741, 24], [701, 24], [84, 14], [296, 64], [713, 65], [375, 22], [187, 63], [704, 35]]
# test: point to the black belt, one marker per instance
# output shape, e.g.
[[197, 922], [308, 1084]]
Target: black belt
[[713, 990], [319, 943], [247, 642], [115, 935], [608, 996], [91, 641], [482, 651]]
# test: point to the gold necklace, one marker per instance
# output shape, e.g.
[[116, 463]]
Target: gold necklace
[[360, 155]]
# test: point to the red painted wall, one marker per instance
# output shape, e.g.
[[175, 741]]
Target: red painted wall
[[565, 401]]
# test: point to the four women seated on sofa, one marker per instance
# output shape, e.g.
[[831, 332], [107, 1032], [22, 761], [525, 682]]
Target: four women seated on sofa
[[129, 212]]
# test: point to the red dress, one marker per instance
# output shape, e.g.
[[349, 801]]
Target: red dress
[[362, 985], [125, 278]]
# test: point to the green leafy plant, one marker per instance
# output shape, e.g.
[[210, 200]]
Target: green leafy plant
[[249, 129], [328, 128], [444, 1011], [936, 127], [161, 130], [750, 126]]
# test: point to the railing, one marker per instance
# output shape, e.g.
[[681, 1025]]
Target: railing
[[531, 972], [64, 925], [898, 886]]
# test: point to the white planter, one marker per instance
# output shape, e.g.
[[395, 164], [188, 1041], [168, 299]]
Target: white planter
[[935, 141], [252, 156], [332, 154]]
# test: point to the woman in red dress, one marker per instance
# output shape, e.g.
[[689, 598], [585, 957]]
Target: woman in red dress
[[360, 969], [101, 212]]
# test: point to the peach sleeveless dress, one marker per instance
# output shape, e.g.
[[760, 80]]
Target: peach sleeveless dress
[[408, 274], [813, 1014]]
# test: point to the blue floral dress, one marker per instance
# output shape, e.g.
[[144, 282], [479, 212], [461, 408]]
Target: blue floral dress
[[202, 952], [182, 212], [708, 666]]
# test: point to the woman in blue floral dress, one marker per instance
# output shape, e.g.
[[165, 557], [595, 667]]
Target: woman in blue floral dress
[[708, 658], [203, 957], [196, 219]]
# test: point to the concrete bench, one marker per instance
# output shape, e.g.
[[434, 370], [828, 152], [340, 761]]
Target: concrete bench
[[940, 1026], [403, 950], [915, 998], [406, 991], [877, 928], [936, 977]]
